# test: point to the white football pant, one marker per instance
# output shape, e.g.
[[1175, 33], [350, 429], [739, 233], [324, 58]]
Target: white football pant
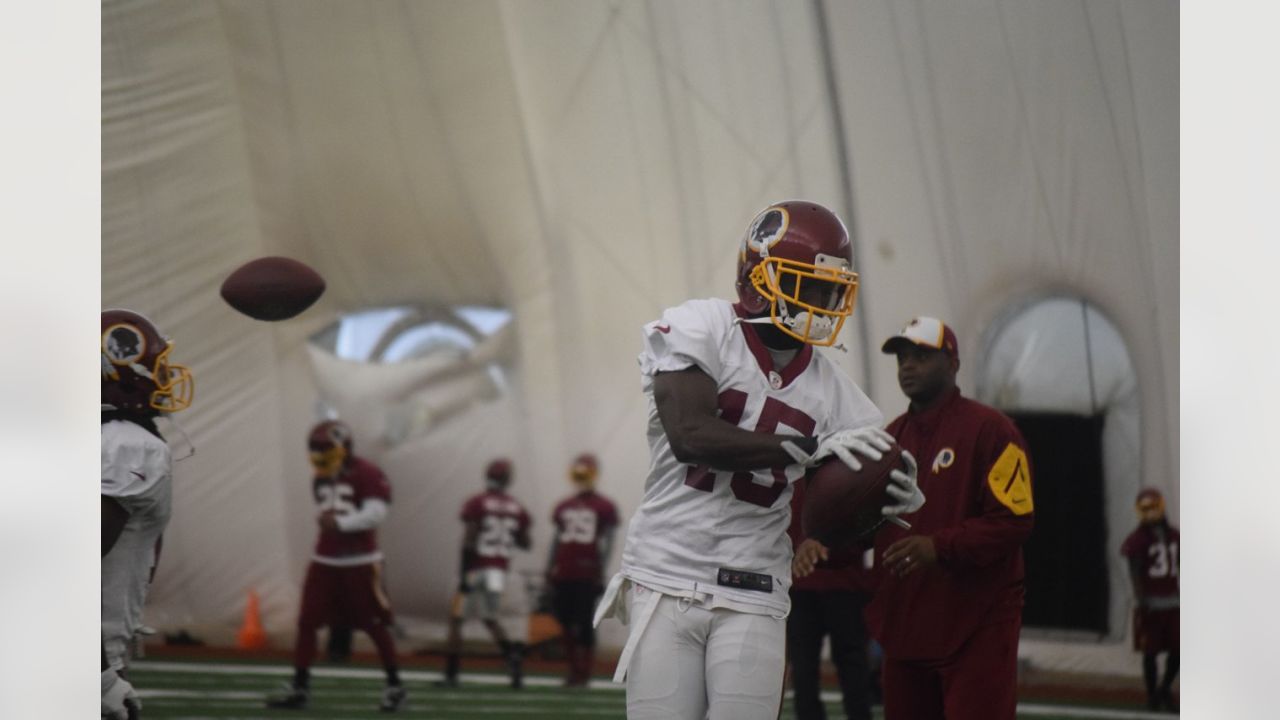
[[692, 663]]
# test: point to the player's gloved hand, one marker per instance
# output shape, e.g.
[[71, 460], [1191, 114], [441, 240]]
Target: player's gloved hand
[[119, 701], [904, 489], [870, 442]]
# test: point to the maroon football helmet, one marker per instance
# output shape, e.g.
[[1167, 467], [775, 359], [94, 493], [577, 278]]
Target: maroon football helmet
[[788, 247], [1150, 506], [497, 476], [330, 444], [136, 372], [584, 470]]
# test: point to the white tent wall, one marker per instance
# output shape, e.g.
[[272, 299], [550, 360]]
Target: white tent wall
[[587, 164], [177, 216]]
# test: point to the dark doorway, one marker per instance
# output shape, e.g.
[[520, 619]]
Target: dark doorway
[[1066, 556]]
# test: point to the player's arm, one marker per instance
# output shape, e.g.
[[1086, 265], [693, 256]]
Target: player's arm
[[523, 541], [1136, 571], [1005, 523], [467, 558], [551, 557], [370, 514], [687, 406], [604, 543]]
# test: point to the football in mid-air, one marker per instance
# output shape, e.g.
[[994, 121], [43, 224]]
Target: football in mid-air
[[272, 288], [842, 505]]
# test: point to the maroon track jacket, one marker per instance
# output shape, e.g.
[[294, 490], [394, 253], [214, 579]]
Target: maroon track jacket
[[974, 473]]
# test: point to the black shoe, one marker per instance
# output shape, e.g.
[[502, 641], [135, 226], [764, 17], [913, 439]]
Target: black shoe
[[291, 698], [1166, 702], [449, 681], [393, 698]]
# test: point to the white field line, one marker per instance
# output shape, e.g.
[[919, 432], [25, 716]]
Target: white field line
[[1033, 709]]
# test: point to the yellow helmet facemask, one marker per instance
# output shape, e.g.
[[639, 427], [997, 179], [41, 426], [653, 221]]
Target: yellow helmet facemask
[[1150, 509], [174, 384], [812, 324], [328, 462]]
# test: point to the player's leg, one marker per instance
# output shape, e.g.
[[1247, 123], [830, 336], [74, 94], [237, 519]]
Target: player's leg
[[842, 616], [489, 600], [746, 660], [459, 608], [317, 608], [981, 681], [369, 611], [911, 692], [1151, 679], [1170, 642], [666, 678], [564, 603], [589, 596], [804, 647]]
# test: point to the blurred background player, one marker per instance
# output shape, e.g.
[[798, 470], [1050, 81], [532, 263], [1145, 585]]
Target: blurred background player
[[948, 607], [343, 586], [494, 523], [828, 602], [585, 524], [740, 405], [1152, 550], [138, 385]]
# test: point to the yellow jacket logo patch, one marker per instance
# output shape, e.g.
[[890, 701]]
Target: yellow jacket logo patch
[[1010, 480]]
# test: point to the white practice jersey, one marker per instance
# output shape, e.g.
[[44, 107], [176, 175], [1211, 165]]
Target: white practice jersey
[[136, 471], [694, 521]]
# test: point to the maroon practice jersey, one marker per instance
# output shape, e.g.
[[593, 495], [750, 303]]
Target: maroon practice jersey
[[974, 472], [360, 481], [580, 522], [500, 519], [1156, 550]]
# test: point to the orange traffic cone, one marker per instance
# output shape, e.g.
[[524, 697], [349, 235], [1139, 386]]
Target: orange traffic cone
[[251, 635]]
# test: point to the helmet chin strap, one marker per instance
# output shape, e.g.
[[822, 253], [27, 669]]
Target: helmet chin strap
[[820, 330], [186, 439]]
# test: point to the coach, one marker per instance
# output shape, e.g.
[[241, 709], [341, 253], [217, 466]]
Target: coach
[[949, 604]]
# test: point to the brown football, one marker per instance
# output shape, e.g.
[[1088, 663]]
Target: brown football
[[272, 288], [841, 505]]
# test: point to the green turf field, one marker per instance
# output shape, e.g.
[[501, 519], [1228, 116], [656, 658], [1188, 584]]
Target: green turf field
[[194, 691]]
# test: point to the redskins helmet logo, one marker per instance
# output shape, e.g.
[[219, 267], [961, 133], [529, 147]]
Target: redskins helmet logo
[[123, 344], [767, 229]]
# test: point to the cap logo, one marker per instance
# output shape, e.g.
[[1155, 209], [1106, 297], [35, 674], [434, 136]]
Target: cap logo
[[123, 344], [767, 229]]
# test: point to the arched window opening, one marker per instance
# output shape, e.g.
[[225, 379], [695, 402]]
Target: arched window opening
[[1061, 370], [404, 370]]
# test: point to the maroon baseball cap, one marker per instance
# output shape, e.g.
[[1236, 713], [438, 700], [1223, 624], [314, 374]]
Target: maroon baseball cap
[[926, 332]]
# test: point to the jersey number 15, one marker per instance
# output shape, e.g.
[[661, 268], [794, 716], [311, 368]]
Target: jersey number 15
[[733, 404]]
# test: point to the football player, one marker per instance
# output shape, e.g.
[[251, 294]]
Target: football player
[[494, 523], [1152, 551], [585, 524], [139, 384], [740, 404], [343, 584]]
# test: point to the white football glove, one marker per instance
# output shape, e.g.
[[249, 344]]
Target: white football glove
[[904, 489], [119, 701], [870, 442]]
